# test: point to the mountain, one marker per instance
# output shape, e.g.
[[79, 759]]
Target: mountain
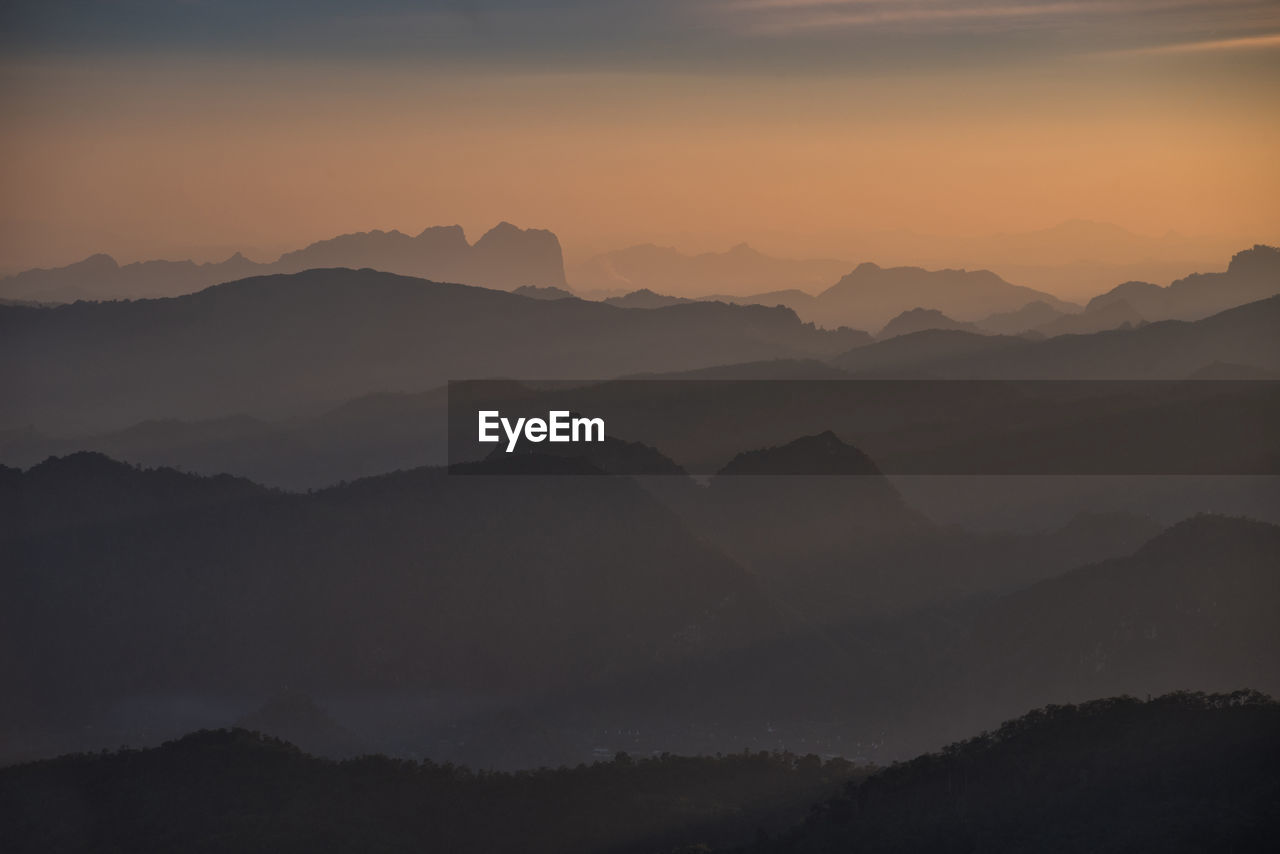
[[823, 454], [283, 345], [297, 718], [517, 619], [870, 296], [1096, 318], [505, 257], [1179, 773], [801, 301], [396, 585], [1075, 259], [742, 270], [1168, 349], [919, 353], [240, 791], [1189, 609], [920, 319], [535, 292], [643, 298], [100, 277], [1252, 275], [1030, 316]]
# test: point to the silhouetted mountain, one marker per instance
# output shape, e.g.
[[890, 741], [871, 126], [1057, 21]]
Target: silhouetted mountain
[[1180, 773], [773, 369], [535, 292], [297, 718], [1095, 318], [421, 581], [90, 490], [919, 353], [815, 520], [823, 454], [742, 270], [1252, 275], [100, 277], [1166, 350], [871, 296], [643, 298], [282, 345], [1030, 316], [801, 302], [505, 257], [1193, 607], [920, 319], [237, 791]]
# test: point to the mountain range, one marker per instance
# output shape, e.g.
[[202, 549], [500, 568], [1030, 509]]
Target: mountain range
[[288, 344], [1253, 274], [141, 602], [739, 271], [505, 257], [1170, 349], [1162, 774]]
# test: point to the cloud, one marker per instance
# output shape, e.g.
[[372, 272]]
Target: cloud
[[1265, 42], [1112, 18]]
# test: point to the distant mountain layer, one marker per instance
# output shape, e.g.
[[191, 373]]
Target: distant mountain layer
[[644, 298], [286, 344], [505, 257], [1170, 349], [1253, 274], [1030, 316], [740, 271], [920, 319], [870, 296]]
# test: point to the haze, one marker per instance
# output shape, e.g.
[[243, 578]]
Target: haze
[[179, 130]]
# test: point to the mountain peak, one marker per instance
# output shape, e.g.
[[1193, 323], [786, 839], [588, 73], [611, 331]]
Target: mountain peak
[[1259, 260], [821, 454]]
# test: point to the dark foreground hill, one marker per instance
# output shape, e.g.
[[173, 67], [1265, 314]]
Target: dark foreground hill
[[1185, 772], [282, 345], [238, 791], [1181, 773]]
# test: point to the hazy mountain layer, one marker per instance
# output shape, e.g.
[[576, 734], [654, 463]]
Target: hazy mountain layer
[[504, 257], [283, 345], [523, 617], [1253, 274], [740, 271], [920, 319], [1244, 335]]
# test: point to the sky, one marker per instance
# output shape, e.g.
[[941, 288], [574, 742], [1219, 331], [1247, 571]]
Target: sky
[[194, 128]]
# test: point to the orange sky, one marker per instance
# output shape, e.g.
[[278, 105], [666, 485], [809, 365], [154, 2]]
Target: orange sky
[[160, 155]]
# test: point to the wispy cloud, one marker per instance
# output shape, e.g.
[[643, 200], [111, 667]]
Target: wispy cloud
[[783, 17], [1267, 42]]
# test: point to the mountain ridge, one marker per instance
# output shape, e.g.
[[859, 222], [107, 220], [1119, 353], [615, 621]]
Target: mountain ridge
[[504, 257]]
